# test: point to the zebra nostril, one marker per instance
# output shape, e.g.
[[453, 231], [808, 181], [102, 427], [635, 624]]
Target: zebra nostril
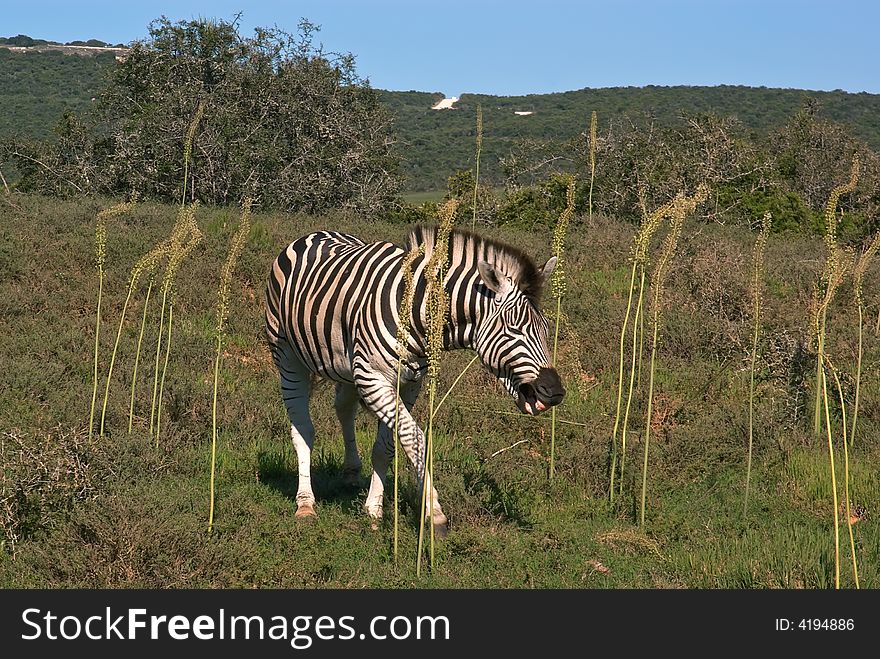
[[548, 384]]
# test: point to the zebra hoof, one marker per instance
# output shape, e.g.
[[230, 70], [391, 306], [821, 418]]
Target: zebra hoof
[[305, 511]]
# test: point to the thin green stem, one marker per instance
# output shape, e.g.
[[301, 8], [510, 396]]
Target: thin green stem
[[113, 356], [396, 468], [214, 432], [641, 344], [158, 352], [632, 368], [757, 266], [97, 336], [852, 540], [426, 481], [590, 198], [164, 370], [751, 409], [632, 284], [852, 434], [648, 419], [553, 410], [833, 486], [431, 468], [455, 382], [594, 122], [477, 174], [820, 372], [137, 355]]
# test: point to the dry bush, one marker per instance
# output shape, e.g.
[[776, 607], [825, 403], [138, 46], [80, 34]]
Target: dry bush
[[42, 476]]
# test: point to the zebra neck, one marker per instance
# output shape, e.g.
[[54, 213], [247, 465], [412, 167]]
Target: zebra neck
[[467, 306]]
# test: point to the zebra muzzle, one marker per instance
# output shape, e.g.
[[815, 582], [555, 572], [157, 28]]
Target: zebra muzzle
[[542, 393]]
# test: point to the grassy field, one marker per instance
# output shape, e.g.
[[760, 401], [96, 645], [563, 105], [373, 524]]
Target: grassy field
[[120, 512]]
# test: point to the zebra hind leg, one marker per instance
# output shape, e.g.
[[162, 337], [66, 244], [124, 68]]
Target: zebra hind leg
[[383, 449], [295, 390], [346, 403]]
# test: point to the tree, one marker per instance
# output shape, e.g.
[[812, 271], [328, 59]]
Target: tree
[[642, 164], [815, 155], [284, 122]]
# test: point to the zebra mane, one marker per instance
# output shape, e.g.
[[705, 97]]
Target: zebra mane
[[510, 260]]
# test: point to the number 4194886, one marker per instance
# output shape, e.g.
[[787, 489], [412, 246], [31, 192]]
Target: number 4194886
[[815, 624]]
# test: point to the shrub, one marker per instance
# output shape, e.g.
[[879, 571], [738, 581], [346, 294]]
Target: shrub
[[285, 121]]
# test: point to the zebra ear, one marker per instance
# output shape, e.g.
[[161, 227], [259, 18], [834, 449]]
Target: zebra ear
[[493, 279], [547, 269]]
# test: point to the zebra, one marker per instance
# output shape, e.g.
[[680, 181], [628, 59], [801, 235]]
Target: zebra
[[332, 311]]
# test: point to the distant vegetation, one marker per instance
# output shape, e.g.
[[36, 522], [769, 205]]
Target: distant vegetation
[[36, 89], [285, 122], [778, 150], [24, 41], [435, 142]]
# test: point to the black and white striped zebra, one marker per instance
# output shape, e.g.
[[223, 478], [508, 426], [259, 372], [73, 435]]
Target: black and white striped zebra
[[332, 307]]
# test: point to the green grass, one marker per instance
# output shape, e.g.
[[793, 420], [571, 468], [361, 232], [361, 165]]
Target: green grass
[[416, 198], [121, 513]]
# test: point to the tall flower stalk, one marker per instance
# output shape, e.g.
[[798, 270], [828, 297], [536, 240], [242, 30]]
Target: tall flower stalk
[[834, 278], [640, 248], [827, 274], [187, 147], [147, 263], [137, 354], [479, 151], [195, 237], [176, 246], [682, 207], [557, 287], [594, 121], [239, 240], [403, 329], [833, 488], [100, 263], [437, 315], [757, 269]]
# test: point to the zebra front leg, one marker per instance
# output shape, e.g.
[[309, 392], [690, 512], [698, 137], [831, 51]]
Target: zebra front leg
[[382, 399], [433, 512], [346, 403]]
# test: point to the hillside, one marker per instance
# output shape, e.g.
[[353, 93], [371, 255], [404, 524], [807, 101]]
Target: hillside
[[37, 87], [435, 143]]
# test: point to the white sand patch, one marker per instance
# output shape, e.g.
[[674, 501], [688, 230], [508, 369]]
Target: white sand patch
[[445, 104]]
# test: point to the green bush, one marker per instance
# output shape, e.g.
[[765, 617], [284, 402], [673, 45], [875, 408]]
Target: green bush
[[285, 122]]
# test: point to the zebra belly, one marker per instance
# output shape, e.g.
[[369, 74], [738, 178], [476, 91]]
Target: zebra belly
[[328, 284]]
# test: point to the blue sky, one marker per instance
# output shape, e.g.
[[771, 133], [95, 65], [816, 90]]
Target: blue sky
[[519, 47]]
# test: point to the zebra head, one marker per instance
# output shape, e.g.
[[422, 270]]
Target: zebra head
[[511, 338]]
